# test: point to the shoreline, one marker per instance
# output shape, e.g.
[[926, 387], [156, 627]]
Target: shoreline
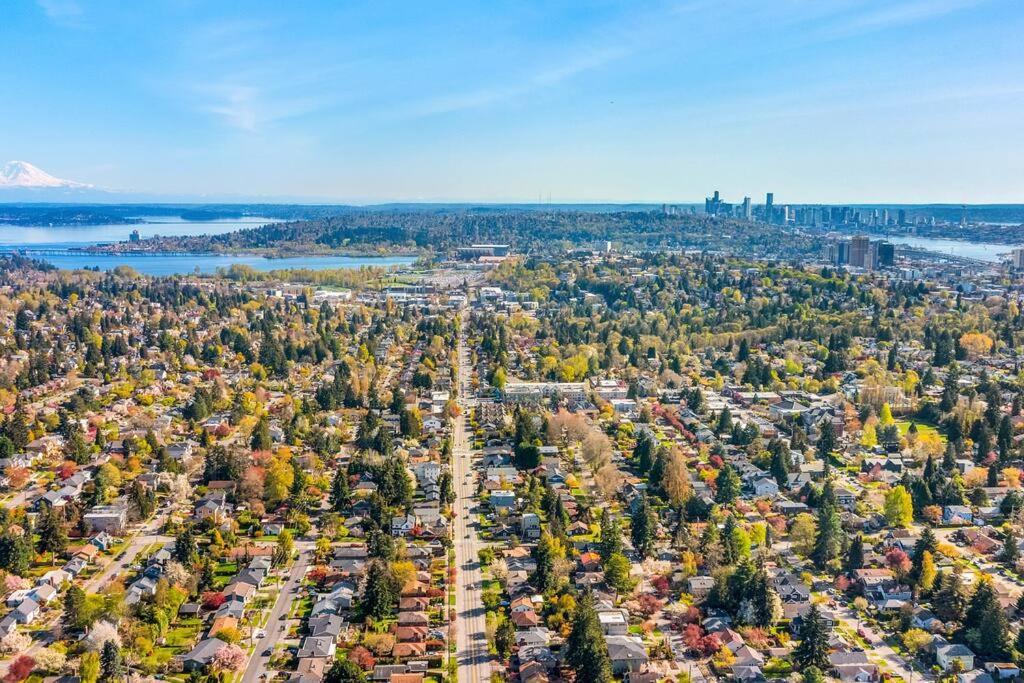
[[100, 250]]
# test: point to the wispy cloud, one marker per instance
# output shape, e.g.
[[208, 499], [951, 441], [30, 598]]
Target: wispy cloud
[[893, 15], [234, 71], [61, 11], [547, 76]]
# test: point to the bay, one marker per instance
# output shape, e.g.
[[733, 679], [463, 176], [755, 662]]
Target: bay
[[982, 251], [57, 245], [85, 235]]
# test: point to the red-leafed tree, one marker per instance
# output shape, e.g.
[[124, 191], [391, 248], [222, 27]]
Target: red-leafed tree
[[362, 657], [213, 600], [20, 669]]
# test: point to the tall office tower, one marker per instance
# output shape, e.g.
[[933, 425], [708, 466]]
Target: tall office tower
[[859, 246], [1017, 256], [844, 253], [713, 204], [886, 254], [747, 214], [768, 207], [885, 216], [902, 217], [871, 262]]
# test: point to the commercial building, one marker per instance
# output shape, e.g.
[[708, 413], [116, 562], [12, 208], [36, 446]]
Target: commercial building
[[534, 392], [859, 250], [477, 250]]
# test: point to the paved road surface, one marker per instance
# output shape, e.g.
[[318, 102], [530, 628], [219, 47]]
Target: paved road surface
[[878, 651], [474, 662], [288, 592], [145, 536]]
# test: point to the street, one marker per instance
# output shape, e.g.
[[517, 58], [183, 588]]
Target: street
[[274, 633], [474, 661], [877, 648]]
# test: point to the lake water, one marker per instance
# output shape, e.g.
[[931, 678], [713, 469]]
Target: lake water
[[983, 251], [85, 235], [55, 245]]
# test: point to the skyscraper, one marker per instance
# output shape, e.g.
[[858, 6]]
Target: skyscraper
[[768, 207], [746, 208], [1017, 258], [713, 204], [886, 254], [859, 246]]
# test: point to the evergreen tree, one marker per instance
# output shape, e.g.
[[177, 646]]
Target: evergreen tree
[[724, 425], [728, 485], [110, 662], [16, 428], [611, 536], [645, 451], [829, 542], [72, 619], [381, 592], [780, 464], [16, 552], [261, 440], [586, 652], [813, 647], [341, 494], [447, 490], [186, 551], [545, 555], [504, 637], [142, 499], [381, 545], [1011, 553], [950, 599], [855, 555], [826, 441], [53, 537], [986, 628], [642, 528]]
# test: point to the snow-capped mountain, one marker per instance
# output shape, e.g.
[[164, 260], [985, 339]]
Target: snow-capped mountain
[[23, 175]]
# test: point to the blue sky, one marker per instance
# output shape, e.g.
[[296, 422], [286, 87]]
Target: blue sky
[[816, 100]]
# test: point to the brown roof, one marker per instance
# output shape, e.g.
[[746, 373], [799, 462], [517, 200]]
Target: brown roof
[[313, 666], [221, 623], [524, 619], [413, 588], [416, 602], [87, 551], [262, 550], [411, 633], [407, 678], [409, 650], [413, 619]]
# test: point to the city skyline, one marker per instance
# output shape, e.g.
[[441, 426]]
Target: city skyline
[[843, 102]]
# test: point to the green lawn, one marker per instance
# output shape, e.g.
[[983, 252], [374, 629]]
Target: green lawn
[[183, 633], [922, 428]]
